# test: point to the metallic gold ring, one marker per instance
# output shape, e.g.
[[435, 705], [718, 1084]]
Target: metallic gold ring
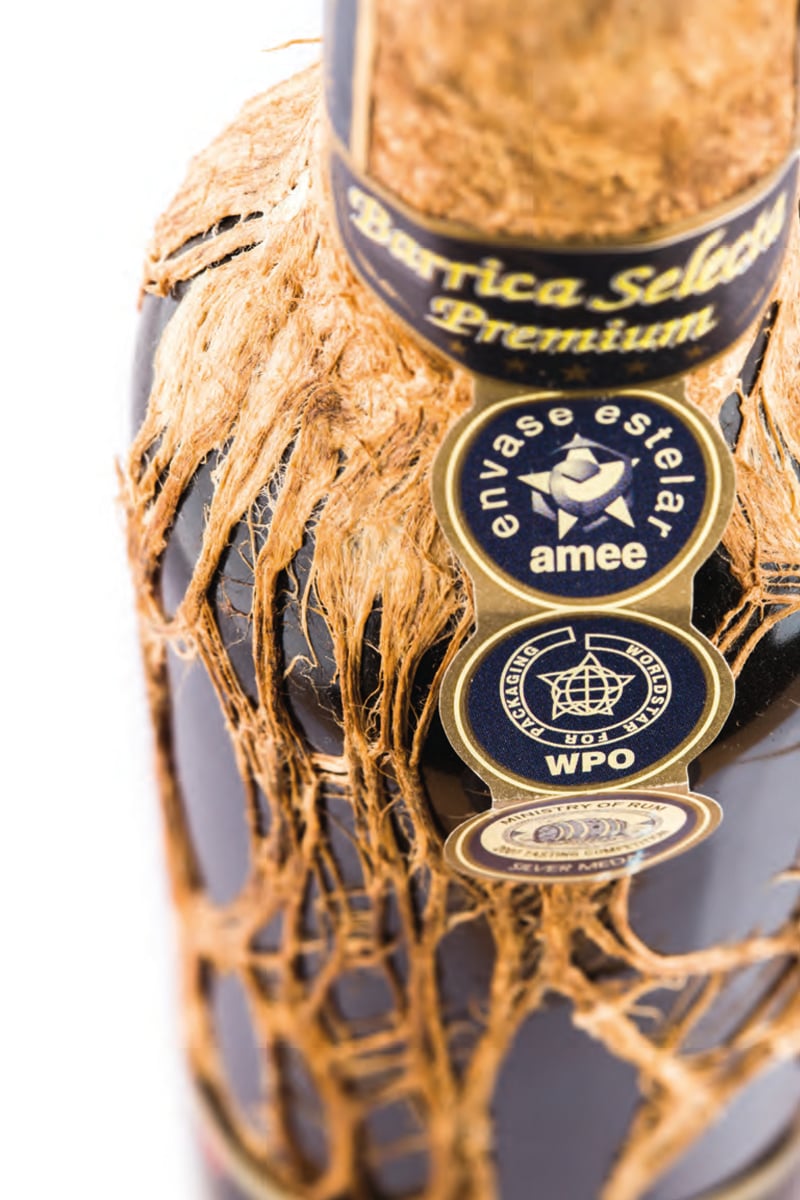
[[759, 1182], [247, 1176], [762, 1181]]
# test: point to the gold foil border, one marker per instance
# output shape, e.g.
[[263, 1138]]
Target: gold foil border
[[706, 537], [654, 239]]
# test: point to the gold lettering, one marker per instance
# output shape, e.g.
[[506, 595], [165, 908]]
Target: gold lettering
[[649, 338], [405, 249], [456, 274], [713, 271], [455, 316], [761, 231], [586, 342], [713, 262], [697, 262], [662, 287], [609, 337], [488, 284], [743, 254], [629, 339], [430, 263], [626, 284], [490, 329], [371, 217], [558, 341], [521, 337], [521, 286], [689, 328], [559, 293], [776, 221]]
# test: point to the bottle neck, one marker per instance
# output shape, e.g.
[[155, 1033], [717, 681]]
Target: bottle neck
[[562, 121]]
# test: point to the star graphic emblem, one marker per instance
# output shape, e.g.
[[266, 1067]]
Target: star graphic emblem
[[637, 367], [586, 690], [695, 352], [456, 347], [575, 374], [516, 366], [581, 487]]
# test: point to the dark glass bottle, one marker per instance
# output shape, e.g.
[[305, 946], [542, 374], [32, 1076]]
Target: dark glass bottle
[[562, 1104], [719, 892]]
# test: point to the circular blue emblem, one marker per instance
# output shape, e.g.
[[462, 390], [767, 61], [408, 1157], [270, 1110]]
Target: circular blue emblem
[[580, 499], [584, 701]]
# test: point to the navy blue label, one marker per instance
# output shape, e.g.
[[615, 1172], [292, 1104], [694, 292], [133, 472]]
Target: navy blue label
[[582, 701], [583, 498], [567, 318]]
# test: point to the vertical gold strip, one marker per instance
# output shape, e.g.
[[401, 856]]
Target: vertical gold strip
[[364, 57], [250, 1179]]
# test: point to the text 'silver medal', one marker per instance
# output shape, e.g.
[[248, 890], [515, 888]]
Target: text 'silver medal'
[[581, 493]]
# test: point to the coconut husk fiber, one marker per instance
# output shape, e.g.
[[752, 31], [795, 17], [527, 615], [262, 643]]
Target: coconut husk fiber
[[281, 364]]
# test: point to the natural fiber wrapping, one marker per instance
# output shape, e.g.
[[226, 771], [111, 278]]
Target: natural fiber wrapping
[[282, 363]]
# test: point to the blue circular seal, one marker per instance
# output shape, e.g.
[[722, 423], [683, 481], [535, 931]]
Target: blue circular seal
[[582, 701], [580, 499]]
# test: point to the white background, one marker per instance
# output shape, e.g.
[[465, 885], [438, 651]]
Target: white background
[[102, 106]]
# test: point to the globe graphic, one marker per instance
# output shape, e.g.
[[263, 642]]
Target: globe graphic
[[587, 690]]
